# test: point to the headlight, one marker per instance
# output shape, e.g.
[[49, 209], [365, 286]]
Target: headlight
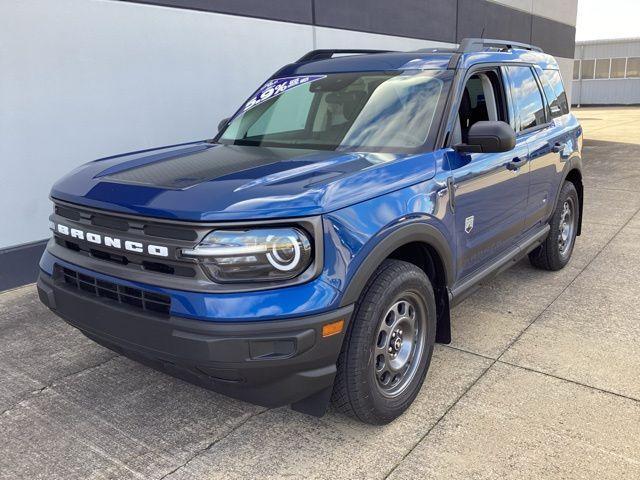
[[256, 255]]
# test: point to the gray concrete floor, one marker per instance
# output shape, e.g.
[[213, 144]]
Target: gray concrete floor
[[541, 381]]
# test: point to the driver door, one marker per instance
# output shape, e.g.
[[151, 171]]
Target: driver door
[[490, 189]]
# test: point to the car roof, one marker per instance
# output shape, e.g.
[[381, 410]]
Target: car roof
[[431, 59]]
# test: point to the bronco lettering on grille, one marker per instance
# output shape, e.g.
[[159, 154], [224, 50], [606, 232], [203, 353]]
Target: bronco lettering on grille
[[112, 242]]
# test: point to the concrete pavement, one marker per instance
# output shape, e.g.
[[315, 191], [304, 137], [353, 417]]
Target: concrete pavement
[[541, 381]]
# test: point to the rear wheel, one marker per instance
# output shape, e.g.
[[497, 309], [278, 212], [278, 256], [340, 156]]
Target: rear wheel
[[389, 345], [556, 250]]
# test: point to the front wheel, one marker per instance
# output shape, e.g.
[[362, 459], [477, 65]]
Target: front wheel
[[556, 250], [389, 345]]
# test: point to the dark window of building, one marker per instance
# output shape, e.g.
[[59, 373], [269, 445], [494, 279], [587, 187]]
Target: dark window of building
[[633, 67], [557, 98], [588, 67], [576, 69], [527, 96], [602, 68], [617, 67]]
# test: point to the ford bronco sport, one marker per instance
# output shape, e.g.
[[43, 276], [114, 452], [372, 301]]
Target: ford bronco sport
[[311, 251]]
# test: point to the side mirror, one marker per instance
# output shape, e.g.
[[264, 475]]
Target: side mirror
[[488, 137], [223, 123]]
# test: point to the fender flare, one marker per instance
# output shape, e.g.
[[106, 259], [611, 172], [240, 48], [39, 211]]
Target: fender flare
[[417, 231], [575, 163]]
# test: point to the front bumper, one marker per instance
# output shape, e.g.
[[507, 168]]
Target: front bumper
[[270, 363]]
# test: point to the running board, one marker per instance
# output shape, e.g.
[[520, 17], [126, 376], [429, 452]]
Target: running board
[[512, 256]]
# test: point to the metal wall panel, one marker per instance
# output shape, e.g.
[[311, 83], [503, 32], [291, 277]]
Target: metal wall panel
[[606, 92], [608, 49], [298, 11], [491, 20], [424, 19], [554, 37], [529, 21], [338, 38]]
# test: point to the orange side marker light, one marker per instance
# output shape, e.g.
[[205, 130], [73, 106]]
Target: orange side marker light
[[332, 328]]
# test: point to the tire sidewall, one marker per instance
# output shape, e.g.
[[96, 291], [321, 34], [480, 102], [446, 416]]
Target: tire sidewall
[[367, 322], [568, 191]]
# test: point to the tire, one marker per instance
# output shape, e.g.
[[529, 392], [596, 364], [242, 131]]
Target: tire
[[395, 291], [556, 250]]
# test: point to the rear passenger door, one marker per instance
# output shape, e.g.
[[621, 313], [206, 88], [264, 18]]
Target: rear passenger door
[[537, 129], [550, 150]]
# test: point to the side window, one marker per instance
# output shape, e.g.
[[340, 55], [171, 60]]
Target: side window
[[482, 99], [549, 92], [633, 67], [555, 80], [588, 69], [527, 97]]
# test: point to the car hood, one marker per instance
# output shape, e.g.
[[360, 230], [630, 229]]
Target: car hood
[[203, 181]]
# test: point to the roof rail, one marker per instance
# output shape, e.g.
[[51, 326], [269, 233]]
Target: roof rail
[[329, 53], [469, 45]]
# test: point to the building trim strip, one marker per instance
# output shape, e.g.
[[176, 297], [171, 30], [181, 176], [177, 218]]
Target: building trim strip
[[19, 265]]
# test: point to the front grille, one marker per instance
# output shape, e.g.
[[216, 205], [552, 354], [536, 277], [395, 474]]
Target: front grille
[[113, 222], [144, 230], [135, 297], [130, 260]]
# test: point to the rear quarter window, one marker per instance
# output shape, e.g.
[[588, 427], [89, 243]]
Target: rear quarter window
[[557, 96]]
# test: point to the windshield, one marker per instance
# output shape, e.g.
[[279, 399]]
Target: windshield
[[373, 111]]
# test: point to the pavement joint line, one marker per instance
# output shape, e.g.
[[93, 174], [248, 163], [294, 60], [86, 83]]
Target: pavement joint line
[[603, 224], [213, 443], [606, 189], [568, 285], [475, 354], [575, 382], [437, 422], [57, 381], [496, 360], [31, 395], [543, 373]]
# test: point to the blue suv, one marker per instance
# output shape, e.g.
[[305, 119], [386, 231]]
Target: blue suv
[[311, 251]]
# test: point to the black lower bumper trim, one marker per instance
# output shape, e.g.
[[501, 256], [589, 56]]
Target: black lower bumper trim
[[270, 363]]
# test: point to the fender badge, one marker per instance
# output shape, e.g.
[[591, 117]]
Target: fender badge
[[468, 224]]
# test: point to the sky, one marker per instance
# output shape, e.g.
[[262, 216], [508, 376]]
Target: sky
[[599, 19]]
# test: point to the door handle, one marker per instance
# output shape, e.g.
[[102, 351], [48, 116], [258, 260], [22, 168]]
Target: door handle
[[558, 147], [451, 187], [516, 163]]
